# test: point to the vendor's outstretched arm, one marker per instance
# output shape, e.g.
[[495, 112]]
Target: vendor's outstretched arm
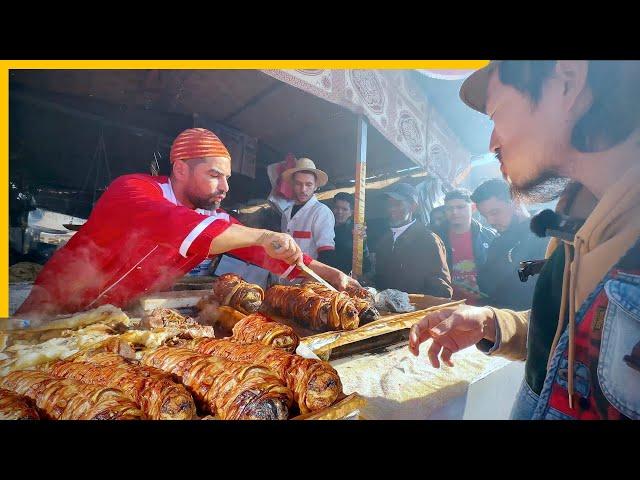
[[237, 238], [277, 245]]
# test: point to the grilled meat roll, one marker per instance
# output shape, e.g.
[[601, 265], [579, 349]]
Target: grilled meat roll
[[154, 390], [232, 390], [230, 290], [317, 311], [65, 399], [261, 329], [361, 298], [16, 407], [314, 383]]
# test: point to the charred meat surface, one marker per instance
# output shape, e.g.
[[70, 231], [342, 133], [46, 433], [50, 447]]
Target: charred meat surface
[[318, 309], [232, 291], [315, 384], [66, 399], [230, 390], [14, 406], [259, 328], [159, 396]]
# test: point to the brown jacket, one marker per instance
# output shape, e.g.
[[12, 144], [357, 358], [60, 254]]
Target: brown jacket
[[416, 263]]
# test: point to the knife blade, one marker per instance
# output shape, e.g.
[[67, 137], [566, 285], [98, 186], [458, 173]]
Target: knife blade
[[307, 270], [316, 277]]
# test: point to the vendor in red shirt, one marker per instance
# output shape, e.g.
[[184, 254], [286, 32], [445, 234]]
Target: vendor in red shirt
[[146, 232], [467, 242]]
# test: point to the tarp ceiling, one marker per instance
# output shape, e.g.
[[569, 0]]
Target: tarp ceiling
[[56, 145]]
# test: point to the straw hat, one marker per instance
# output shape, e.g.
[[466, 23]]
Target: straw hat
[[306, 164]]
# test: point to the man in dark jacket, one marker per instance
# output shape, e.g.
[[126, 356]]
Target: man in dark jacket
[[410, 257], [342, 257], [467, 243], [498, 277]]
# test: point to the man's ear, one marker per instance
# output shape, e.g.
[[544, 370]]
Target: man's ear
[[573, 74], [180, 169]]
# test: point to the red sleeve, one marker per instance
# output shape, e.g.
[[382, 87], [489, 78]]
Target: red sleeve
[[137, 200], [258, 256]]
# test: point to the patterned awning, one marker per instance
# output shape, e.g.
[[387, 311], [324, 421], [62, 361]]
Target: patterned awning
[[394, 105]]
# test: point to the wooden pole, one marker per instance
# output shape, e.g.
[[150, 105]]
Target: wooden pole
[[358, 213]]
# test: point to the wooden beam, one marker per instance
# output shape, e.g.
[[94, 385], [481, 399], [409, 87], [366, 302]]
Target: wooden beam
[[360, 189]]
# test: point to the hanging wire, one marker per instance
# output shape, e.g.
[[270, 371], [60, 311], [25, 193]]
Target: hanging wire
[[85, 184], [155, 165], [106, 158], [99, 156], [99, 159], [95, 183]]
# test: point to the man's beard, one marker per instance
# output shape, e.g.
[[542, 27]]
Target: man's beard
[[545, 188], [302, 199], [205, 203]]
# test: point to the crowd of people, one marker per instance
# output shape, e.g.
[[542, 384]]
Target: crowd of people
[[460, 257]]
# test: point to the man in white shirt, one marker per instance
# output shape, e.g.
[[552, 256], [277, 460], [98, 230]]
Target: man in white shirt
[[308, 221]]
